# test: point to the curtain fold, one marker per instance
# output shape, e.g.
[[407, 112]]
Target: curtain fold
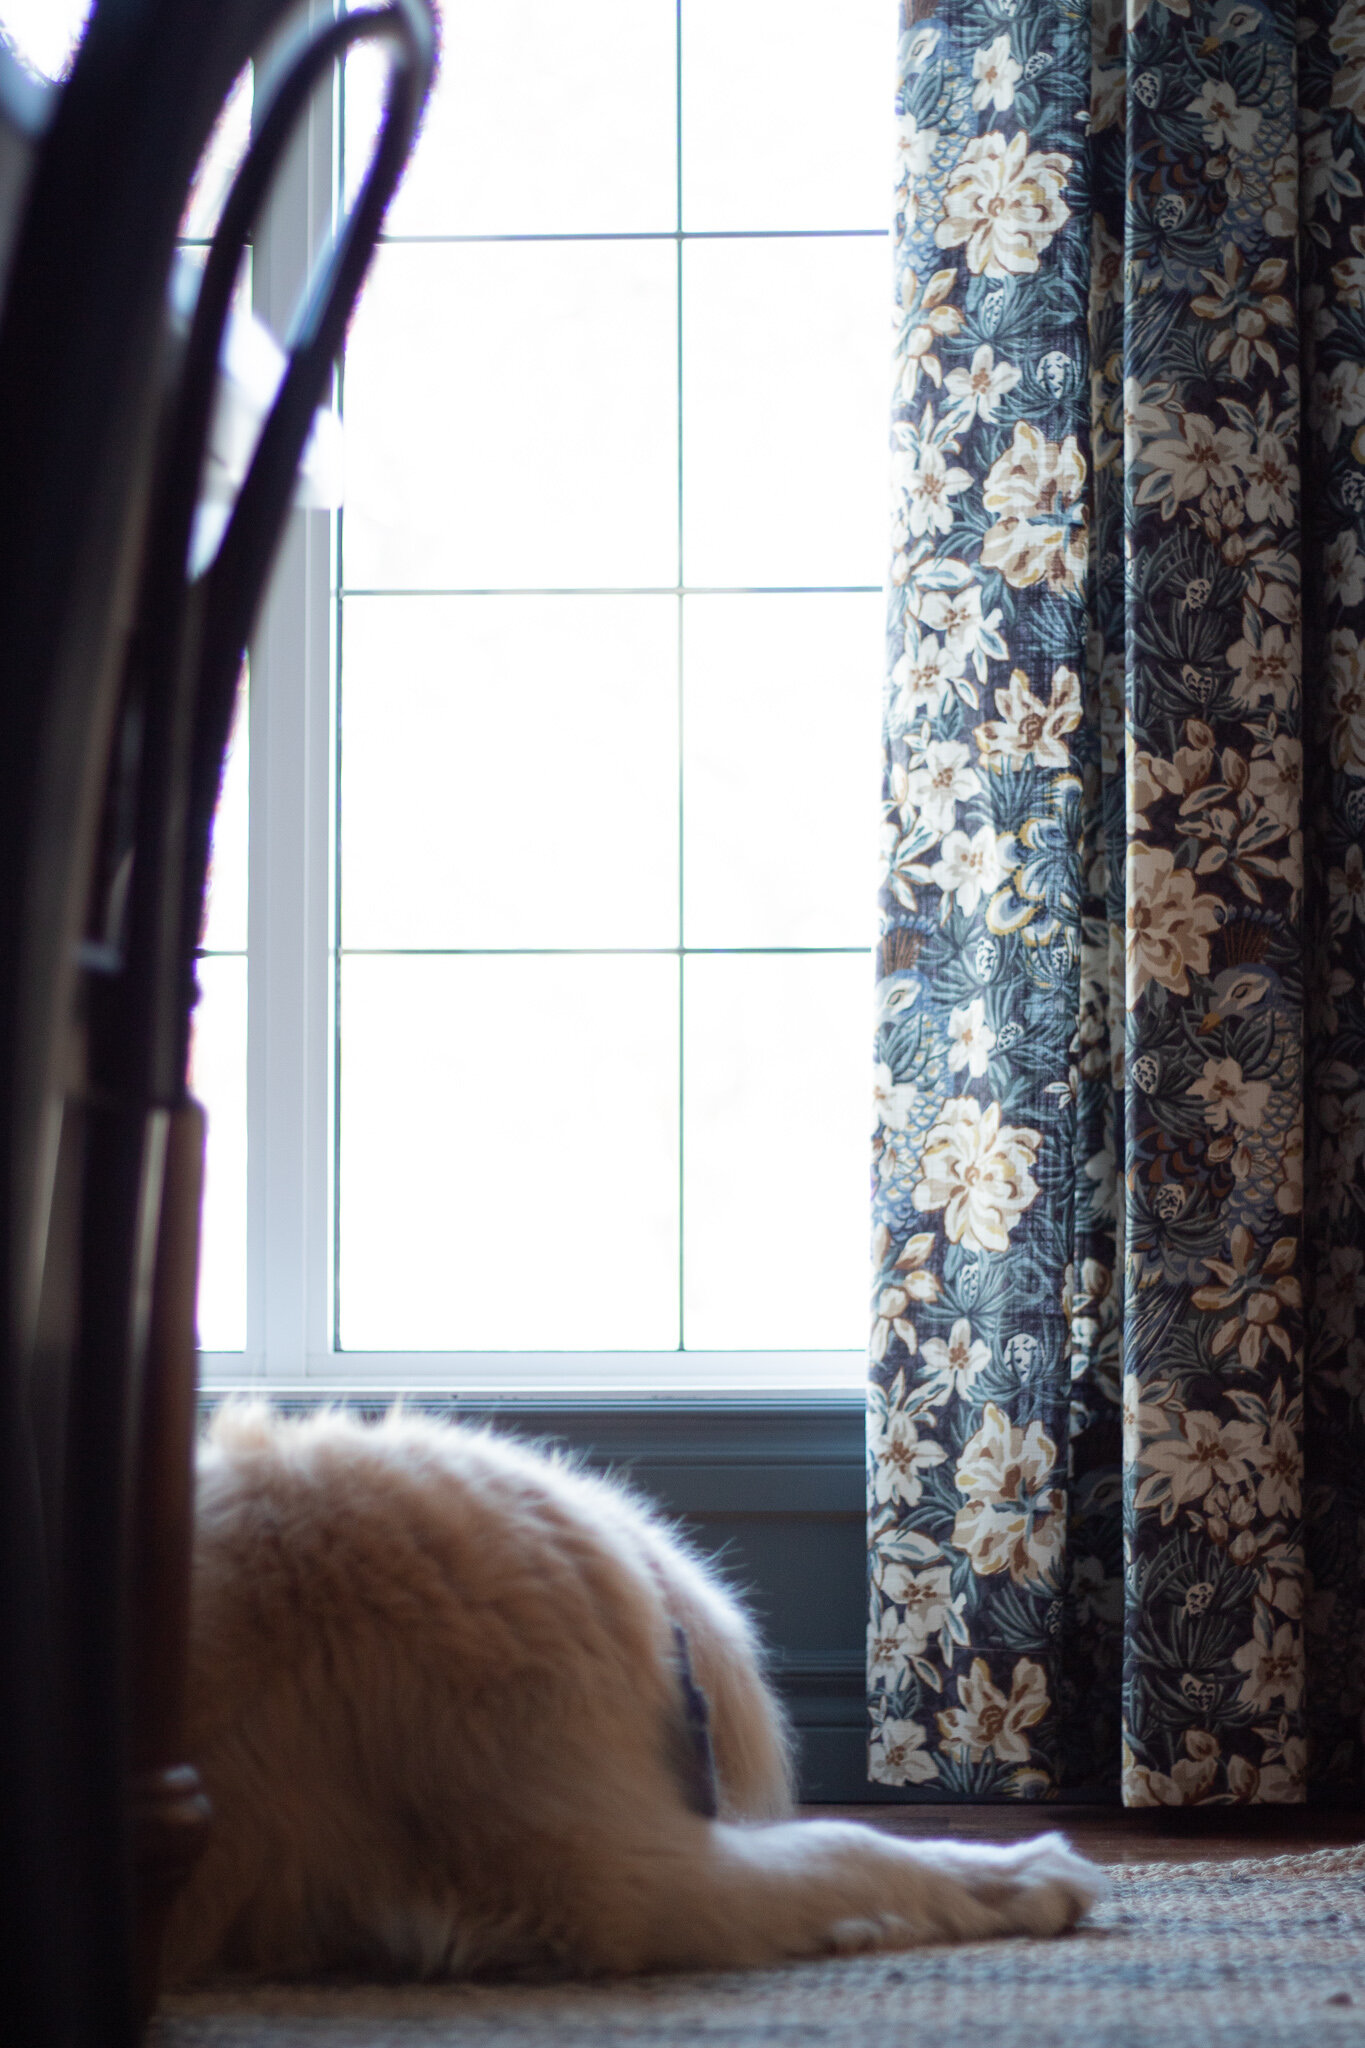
[[1117, 1398]]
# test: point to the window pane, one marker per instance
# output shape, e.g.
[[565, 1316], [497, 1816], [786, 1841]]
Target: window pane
[[509, 771], [777, 1103], [511, 418], [218, 1080], [546, 119], [780, 773], [787, 115], [785, 379], [44, 33], [509, 1168], [225, 910]]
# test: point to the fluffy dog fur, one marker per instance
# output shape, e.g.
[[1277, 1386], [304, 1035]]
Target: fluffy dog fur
[[435, 1699]]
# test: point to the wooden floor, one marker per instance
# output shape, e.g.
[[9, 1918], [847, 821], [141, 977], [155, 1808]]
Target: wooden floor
[[1110, 1835]]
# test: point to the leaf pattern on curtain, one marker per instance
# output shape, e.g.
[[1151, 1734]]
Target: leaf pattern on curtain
[[1213, 1335], [1087, 1425], [1332, 174], [980, 958]]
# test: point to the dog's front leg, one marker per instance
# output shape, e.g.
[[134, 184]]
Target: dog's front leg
[[750, 1895]]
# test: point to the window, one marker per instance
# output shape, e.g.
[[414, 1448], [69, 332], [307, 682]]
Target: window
[[549, 1067], [218, 1056], [43, 33]]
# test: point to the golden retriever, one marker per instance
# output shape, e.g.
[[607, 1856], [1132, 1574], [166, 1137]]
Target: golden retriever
[[461, 1707]]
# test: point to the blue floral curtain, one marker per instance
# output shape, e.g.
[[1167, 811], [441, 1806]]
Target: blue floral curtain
[[1117, 1406]]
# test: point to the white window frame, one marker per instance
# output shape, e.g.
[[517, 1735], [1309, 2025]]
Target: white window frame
[[291, 977]]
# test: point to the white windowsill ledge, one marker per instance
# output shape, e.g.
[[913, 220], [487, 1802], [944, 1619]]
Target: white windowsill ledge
[[573, 1375]]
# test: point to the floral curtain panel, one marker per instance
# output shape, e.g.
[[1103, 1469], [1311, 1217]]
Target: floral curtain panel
[[1117, 1418]]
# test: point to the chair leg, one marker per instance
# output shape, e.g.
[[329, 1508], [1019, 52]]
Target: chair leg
[[170, 1811]]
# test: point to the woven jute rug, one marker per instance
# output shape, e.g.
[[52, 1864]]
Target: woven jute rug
[[1266, 1953]]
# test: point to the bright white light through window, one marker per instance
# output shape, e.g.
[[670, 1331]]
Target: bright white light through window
[[609, 666], [44, 33], [218, 1061]]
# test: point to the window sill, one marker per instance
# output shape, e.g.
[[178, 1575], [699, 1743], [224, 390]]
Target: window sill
[[563, 1375]]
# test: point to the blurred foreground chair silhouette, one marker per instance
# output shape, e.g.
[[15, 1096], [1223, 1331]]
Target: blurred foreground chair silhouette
[[119, 672]]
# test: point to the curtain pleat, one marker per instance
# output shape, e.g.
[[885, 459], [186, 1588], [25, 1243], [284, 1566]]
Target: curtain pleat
[[1091, 1571], [1332, 281]]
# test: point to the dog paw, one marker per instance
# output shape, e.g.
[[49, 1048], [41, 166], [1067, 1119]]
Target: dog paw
[[1050, 1887]]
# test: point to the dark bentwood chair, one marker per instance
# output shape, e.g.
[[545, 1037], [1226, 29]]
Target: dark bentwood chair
[[118, 677]]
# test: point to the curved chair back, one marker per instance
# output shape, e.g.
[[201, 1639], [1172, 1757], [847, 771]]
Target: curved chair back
[[119, 668]]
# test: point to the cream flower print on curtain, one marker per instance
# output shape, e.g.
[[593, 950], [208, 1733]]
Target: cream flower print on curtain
[[1117, 1407]]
